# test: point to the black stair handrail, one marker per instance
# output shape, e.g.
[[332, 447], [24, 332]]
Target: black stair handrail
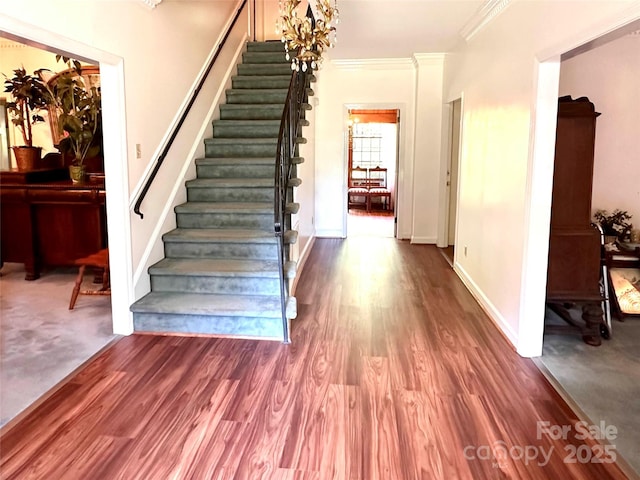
[[194, 95], [287, 148]]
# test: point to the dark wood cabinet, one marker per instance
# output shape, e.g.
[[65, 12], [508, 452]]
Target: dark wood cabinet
[[574, 245], [47, 221]]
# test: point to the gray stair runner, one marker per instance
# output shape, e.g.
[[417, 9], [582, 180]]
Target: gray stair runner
[[220, 273]]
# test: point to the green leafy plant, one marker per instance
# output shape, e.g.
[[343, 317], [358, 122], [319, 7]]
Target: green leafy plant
[[615, 223], [30, 95], [80, 117]]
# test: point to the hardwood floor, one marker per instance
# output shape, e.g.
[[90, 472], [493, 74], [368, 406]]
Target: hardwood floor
[[394, 373]]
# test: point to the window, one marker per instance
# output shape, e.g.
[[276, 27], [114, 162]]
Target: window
[[366, 145]]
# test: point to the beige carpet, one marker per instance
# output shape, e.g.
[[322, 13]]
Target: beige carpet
[[42, 340]]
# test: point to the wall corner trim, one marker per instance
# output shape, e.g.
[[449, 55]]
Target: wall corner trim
[[487, 12], [427, 59]]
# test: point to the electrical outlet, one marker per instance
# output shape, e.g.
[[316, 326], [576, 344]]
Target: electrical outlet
[[138, 150]]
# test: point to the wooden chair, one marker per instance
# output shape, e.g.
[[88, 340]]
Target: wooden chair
[[358, 188], [98, 260], [378, 187]]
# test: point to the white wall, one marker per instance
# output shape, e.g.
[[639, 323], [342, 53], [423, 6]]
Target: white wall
[[381, 83], [497, 71], [267, 15], [608, 75], [427, 164], [304, 221]]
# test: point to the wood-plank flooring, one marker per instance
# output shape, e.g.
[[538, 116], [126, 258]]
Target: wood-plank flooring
[[394, 373]]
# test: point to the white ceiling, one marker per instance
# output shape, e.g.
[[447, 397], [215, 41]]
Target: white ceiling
[[399, 28]]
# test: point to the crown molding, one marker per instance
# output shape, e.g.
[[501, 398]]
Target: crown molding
[[373, 63], [151, 3], [487, 12], [425, 59]]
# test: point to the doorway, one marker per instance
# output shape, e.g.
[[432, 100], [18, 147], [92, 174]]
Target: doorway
[[59, 340], [452, 178], [115, 151], [372, 172], [612, 184]]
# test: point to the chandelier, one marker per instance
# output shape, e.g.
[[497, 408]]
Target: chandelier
[[305, 39]]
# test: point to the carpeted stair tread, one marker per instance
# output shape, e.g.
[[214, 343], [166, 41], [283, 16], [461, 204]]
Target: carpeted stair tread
[[256, 95], [230, 182], [265, 81], [236, 161], [236, 167], [266, 46], [209, 304], [264, 69], [247, 123], [241, 129], [244, 141], [200, 235], [264, 57], [261, 81], [246, 147], [290, 237], [214, 207], [271, 111], [214, 267], [292, 308]]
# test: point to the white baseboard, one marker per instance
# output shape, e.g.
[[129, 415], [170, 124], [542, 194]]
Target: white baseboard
[[423, 240], [302, 260], [486, 305]]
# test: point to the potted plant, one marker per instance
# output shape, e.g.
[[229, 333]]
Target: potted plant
[[79, 119], [614, 225], [30, 95]]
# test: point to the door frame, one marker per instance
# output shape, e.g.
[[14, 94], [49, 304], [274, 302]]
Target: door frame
[[445, 166], [540, 176], [400, 217], [115, 150]]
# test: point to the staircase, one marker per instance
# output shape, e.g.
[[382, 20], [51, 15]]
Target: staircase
[[220, 274]]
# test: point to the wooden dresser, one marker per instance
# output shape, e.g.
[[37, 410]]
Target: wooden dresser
[[47, 221], [574, 245]]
